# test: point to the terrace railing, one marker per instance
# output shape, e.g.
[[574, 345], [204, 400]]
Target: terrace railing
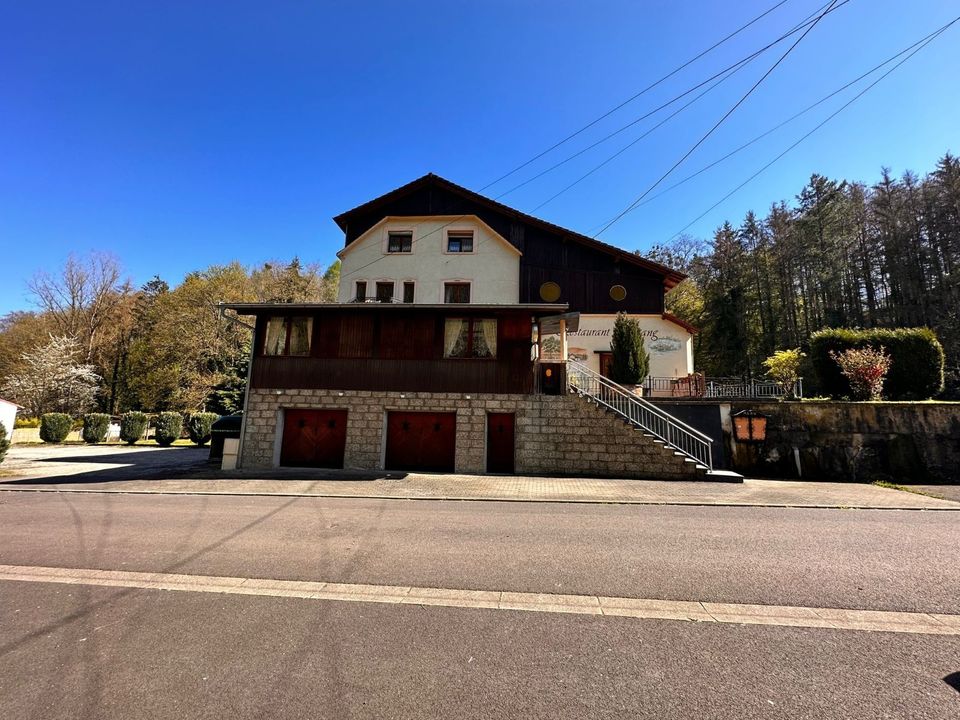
[[640, 413], [737, 388]]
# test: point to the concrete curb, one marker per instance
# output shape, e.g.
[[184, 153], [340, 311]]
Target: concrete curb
[[455, 498]]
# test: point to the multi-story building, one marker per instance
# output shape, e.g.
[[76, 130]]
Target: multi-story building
[[432, 241]]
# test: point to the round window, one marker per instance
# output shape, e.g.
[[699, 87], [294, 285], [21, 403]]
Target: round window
[[618, 293], [550, 292]]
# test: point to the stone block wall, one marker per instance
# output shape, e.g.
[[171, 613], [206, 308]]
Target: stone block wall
[[555, 435], [853, 441]]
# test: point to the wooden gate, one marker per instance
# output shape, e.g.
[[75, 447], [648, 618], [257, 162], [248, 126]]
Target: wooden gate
[[421, 441], [314, 438]]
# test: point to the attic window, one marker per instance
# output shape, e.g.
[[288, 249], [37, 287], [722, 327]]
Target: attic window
[[400, 242], [460, 241]]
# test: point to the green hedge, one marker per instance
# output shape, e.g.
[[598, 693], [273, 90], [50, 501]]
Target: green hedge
[[169, 425], [4, 443], [95, 426], [916, 372], [54, 427], [133, 425], [199, 427]]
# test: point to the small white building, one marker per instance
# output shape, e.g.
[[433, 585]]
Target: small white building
[[8, 416]]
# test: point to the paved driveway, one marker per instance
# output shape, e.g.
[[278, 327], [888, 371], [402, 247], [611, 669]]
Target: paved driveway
[[99, 463]]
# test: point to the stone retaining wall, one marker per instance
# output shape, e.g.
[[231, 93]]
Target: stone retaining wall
[[555, 435], [847, 441]]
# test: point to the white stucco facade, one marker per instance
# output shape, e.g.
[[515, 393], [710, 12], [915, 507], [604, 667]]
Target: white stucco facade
[[669, 345], [492, 268]]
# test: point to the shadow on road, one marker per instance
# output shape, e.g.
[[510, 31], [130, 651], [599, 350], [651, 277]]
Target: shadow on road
[[953, 680], [176, 463]]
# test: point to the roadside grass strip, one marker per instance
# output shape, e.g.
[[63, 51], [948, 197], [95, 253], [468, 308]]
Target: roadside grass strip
[[649, 609]]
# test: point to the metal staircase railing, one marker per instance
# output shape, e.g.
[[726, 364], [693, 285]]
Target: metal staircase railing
[[644, 415]]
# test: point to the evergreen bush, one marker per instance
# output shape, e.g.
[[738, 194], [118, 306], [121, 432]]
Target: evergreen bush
[[4, 443], [169, 425], [95, 427], [631, 363], [199, 427], [133, 425], [54, 427], [916, 370]]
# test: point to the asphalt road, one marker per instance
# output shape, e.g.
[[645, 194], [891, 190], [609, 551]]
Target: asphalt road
[[77, 651]]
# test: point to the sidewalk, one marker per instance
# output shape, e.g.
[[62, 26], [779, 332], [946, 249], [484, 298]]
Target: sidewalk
[[762, 493]]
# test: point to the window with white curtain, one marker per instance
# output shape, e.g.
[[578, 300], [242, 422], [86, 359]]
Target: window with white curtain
[[470, 338], [288, 336]]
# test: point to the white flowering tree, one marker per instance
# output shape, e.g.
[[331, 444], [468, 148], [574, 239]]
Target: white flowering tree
[[53, 379]]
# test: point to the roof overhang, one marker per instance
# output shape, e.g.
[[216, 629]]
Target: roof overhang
[[550, 324], [539, 309]]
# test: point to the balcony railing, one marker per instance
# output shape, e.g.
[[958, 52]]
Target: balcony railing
[[698, 385]]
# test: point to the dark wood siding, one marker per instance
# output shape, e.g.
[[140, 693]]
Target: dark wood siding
[[585, 274], [401, 350]]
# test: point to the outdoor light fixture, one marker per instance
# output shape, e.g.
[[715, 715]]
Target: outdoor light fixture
[[466, 397], [340, 394], [750, 426]]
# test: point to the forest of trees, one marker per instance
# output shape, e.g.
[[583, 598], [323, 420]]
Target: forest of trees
[[845, 254], [154, 348]]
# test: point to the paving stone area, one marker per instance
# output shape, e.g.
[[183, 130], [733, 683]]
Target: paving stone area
[[150, 469]]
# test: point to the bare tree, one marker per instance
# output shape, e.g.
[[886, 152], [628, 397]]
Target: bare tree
[[84, 299]]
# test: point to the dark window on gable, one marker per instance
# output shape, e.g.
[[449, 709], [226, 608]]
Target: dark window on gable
[[460, 241], [400, 242], [456, 292], [361, 293], [384, 292], [408, 289], [288, 336]]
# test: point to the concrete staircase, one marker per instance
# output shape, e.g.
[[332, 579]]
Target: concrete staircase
[[690, 450]]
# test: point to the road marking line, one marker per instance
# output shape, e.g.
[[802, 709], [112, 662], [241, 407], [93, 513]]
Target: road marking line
[[649, 609]]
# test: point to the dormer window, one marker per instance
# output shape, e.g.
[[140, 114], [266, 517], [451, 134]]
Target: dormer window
[[400, 242], [460, 241]]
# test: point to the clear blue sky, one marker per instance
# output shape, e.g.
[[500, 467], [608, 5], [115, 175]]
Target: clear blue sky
[[180, 134]]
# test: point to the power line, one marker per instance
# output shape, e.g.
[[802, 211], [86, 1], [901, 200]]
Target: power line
[[805, 23], [830, 117], [719, 122], [632, 143], [789, 120], [636, 95], [735, 67]]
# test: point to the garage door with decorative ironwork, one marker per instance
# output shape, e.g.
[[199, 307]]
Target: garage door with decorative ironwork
[[314, 438], [421, 441]]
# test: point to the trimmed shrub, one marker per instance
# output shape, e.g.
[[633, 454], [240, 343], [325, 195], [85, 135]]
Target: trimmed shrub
[[133, 425], [169, 425], [916, 369], [4, 443], [631, 364], [199, 426], [95, 426], [865, 370], [54, 427]]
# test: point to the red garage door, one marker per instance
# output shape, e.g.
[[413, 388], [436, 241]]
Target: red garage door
[[421, 441], [314, 438]]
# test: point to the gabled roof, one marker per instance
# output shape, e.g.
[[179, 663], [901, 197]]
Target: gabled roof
[[671, 277]]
